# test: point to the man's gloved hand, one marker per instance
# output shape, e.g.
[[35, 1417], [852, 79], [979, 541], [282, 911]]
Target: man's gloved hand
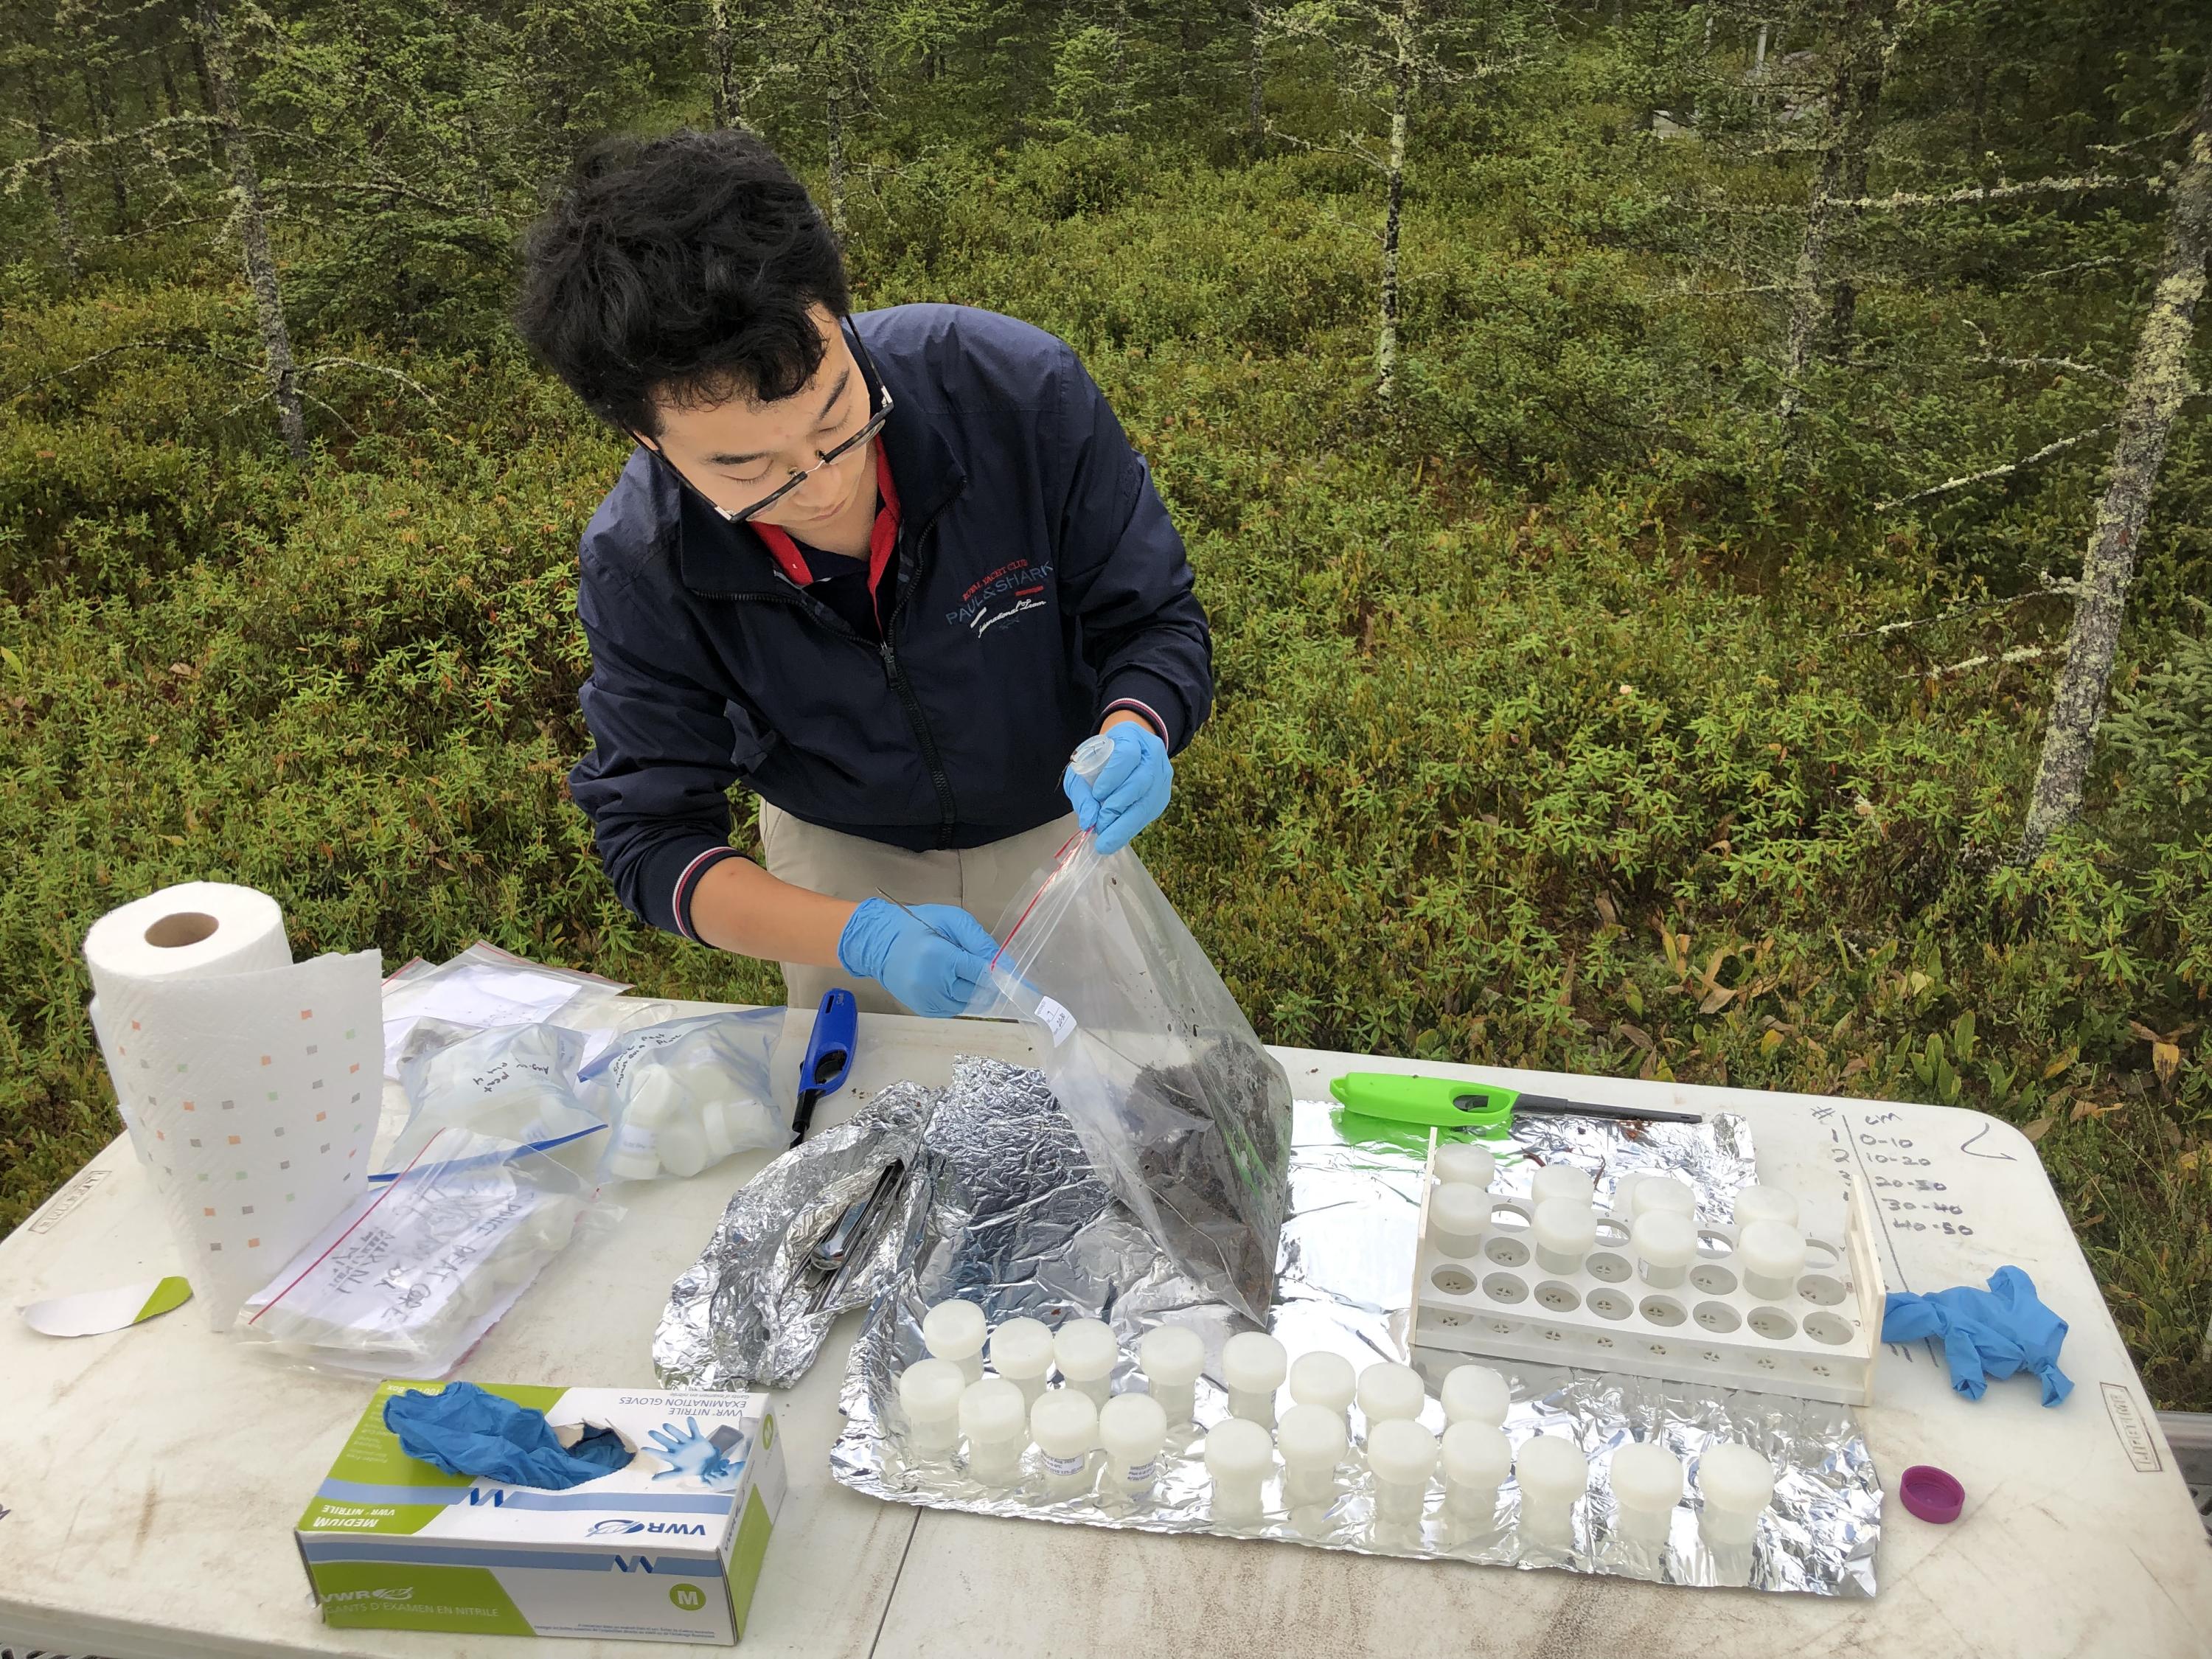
[[931, 974], [1129, 793]]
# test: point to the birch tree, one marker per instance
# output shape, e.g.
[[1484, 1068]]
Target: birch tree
[[2158, 382]]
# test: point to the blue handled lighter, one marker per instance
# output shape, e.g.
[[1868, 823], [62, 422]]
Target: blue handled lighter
[[828, 1055]]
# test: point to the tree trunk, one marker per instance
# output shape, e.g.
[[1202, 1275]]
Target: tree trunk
[[1386, 345], [1255, 73], [838, 165], [1817, 300], [253, 235], [169, 85], [1121, 98], [2157, 384], [729, 106], [100, 94], [207, 95], [50, 170], [1759, 56]]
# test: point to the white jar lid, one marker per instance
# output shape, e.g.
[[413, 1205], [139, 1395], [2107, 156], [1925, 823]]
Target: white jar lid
[[1085, 1349], [930, 1390], [1477, 1454], [1735, 1478], [1465, 1161], [1022, 1349], [1658, 1192], [1474, 1394], [1646, 1476], [1663, 1238], [1459, 1207], [1171, 1354], [1565, 1225], [953, 1330], [1065, 1422], [992, 1409], [1253, 1360], [1389, 1390], [1771, 1250], [1624, 1193], [1402, 1451], [1323, 1379], [1131, 1427], [1239, 1448], [1311, 1436], [1550, 1466], [1559, 1181], [1765, 1204]]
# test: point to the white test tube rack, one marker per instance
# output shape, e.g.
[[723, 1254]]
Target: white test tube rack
[[1819, 1344]]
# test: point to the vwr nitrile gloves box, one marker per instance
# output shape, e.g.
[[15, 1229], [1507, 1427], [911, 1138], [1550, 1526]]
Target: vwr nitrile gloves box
[[667, 1548]]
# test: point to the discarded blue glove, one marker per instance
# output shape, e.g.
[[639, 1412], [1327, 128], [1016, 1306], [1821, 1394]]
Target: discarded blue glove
[[1131, 791], [464, 1431], [1985, 1334]]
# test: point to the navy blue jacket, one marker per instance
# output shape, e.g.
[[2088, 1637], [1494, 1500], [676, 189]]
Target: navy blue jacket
[[1039, 584]]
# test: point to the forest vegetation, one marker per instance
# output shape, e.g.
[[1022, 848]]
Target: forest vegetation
[[1705, 510]]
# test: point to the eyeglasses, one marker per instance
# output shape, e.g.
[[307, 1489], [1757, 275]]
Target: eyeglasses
[[825, 456]]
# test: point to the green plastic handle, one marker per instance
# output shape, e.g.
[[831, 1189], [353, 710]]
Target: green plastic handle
[[1440, 1102]]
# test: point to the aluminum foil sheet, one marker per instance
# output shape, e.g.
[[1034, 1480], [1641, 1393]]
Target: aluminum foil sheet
[[746, 1315], [1019, 1223]]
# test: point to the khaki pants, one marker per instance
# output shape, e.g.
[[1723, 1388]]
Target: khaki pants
[[981, 880]]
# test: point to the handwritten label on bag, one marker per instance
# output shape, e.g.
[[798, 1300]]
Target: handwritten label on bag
[[1057, 1020]]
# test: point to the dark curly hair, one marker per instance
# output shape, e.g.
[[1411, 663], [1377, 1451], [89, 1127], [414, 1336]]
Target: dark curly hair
[[684, 266]]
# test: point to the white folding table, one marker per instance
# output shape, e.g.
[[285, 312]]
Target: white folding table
[[149, 1477]]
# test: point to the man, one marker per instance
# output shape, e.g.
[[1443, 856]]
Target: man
[[885, 570]]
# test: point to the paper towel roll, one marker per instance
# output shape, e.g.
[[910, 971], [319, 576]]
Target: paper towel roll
[[250, 1083]]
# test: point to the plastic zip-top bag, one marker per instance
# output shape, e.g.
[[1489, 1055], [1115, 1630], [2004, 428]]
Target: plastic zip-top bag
[[516, 1083], [684, 1095], [1177, 1103]]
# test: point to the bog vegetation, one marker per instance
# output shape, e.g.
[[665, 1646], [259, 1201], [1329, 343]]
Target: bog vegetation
[[1644, 463]]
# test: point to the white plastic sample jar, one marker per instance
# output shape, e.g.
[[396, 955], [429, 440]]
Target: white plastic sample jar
[[1735, 1485], [1240, 1456], [1665, 1244], [1475, 1394], [1563, 1229], [1557, 1180], [1772, 1254], [954, 1331], [1390, 1392], [1658, 1192], [1064, 1423], [1765, 1204], [1459, 1213], [1253, 1366], [1021, 1352], [1171, 1357], [995, 1418], [929, 1395], [1477, 1457], [1647, 1484], [1313, 1443], [1401, 1455], [1469, 1163], [1133, 1428], [1553, 1474], [1086, 1351], [1323, 1379]]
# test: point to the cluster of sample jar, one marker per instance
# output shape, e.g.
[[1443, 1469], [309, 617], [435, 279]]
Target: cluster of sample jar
[[1090, 1441], [1657, 1213]]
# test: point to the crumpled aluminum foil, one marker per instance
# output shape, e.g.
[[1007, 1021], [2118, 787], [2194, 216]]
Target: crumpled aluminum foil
[[742, 1316], [1019, 1223]]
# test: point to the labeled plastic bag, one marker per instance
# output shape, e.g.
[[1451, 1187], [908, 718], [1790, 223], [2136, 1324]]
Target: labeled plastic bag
[[485, 986], [513, 1083], [684, 1095], [1175, 1101], [410, 1275]]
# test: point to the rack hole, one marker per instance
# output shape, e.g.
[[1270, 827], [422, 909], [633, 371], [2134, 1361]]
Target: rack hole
[[1506, 1252], [1820, 1288], [1827, 1327], [1773, 1324], [1610, 1304], [1712, 1246], [1508, 1218], [1612, 1234], [1559, 1298], [1717, 1318], [1612, 1269], [1821, 1254], [1663, 1310], [1712, 1280], [1505, 1288], [1452, 1281]]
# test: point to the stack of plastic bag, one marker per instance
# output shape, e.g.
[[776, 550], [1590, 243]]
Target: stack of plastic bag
[[684, 1095]]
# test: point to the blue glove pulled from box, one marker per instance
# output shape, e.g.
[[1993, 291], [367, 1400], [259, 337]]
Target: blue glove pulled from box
[[464, 1431], [1985, 1334]]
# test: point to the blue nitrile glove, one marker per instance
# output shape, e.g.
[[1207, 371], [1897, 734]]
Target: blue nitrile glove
[[464, 1431], [929, 972], [1995, 1332], [1130, 792]]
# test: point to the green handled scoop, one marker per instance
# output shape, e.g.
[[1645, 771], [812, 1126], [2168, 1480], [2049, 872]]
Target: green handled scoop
[[1483, 1109]]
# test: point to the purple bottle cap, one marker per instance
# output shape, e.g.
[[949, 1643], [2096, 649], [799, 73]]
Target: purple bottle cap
[[1929, 1493]]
